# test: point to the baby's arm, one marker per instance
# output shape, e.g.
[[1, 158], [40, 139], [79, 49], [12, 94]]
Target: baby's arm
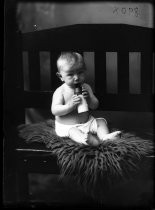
[[58, 108], [91, 98]]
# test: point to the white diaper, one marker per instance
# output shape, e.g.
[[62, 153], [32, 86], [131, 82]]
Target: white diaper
[[90, 126]]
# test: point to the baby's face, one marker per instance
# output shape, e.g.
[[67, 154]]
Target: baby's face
[[73, 75]]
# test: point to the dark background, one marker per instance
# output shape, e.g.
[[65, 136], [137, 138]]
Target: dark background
[[47, 187]]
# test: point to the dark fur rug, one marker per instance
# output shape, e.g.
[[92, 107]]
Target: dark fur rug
[[94, 168]]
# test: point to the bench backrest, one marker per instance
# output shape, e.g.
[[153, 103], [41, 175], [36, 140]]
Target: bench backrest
[[102, 43]]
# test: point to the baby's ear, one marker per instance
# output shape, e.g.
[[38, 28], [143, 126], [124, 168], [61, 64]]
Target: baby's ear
[[59, 76]]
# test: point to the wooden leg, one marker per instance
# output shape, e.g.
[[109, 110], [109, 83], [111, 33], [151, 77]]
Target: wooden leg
[[22, 182]]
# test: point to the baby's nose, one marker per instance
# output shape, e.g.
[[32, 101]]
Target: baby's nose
[[76, 77]]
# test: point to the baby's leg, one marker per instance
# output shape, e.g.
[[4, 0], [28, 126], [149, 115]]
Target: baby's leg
[[77, 135], [112, 136], [102, 128], [103, 131]]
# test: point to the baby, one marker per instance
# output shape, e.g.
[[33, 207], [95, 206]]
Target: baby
[[80, 127]]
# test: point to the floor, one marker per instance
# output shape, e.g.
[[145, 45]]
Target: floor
[[50, 188], [128, 193]]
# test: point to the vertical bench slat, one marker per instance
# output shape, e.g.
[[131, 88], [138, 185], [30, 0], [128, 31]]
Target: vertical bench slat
[[34, 70], [146, 72], [45, 71], [100, 72], [90, 70], [55, 81], [153, 74], [26, 70], [134, 72], [111, 72], [123, 72]]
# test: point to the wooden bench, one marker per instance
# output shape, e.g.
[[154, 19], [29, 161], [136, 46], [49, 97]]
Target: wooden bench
[[100, 39]]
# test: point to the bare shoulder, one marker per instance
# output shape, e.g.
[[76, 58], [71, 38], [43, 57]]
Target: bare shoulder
[[58, 91], [57, 96]]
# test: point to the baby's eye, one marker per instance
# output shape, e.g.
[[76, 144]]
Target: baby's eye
[[70, 75], [80, 72]]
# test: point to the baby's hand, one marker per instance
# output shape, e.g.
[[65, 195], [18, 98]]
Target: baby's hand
[[75, 100], [85, 93]]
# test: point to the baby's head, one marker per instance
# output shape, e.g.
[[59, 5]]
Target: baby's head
[[69, 60], [71, 68]]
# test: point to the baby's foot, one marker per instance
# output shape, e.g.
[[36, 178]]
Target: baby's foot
[[92, 140], [112, 136]]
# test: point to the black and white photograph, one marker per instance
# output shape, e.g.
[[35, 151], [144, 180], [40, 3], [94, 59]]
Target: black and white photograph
[[78, 104]]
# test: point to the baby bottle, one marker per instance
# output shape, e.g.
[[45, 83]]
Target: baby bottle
[[83, 106]]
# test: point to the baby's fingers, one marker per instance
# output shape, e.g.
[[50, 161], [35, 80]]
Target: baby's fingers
[[85, 93], [76, 99]]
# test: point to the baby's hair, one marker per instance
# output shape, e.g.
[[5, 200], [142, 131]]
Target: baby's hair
[[70, 59]]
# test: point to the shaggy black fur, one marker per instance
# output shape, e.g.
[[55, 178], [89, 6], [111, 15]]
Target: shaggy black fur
[[95, 168]]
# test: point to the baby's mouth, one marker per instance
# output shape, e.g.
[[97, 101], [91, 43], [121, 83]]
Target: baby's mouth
[[77, 84]]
